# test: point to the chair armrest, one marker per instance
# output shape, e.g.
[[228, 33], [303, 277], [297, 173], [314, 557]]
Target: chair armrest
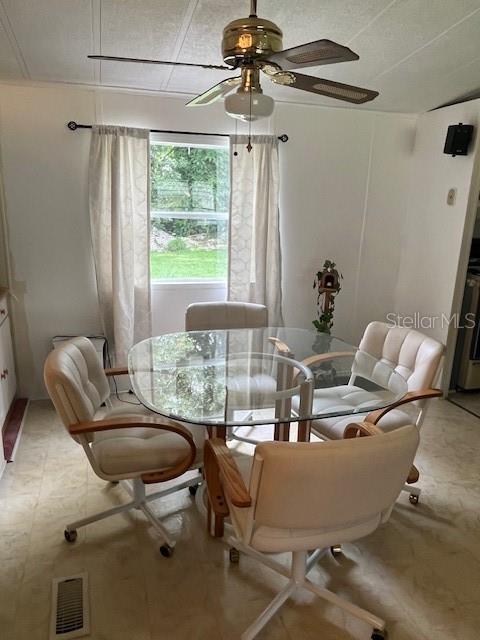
[[281, 346], [82, 428], [413, 476], [116, 371], [284, 349], [362, 429], [321, 357], [218, 458], [374, 417], [324, 357]]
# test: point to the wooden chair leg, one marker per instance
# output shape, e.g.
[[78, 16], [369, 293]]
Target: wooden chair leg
[[304, 427], [282, 432], [217, 504], [219, 526]]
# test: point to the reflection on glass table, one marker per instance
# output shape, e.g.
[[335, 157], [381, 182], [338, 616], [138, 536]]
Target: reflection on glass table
[[254, 377]]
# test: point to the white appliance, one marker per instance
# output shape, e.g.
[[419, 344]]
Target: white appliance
[[469, 336]]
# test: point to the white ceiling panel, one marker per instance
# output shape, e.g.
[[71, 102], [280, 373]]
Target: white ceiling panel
[[141, 28], [315, 19], [417, 53], [435, 74], [404, 28], [9, 65], [54, 36], [133, 76]]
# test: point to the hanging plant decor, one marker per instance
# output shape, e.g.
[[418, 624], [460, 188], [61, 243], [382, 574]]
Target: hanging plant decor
[[327, 284]]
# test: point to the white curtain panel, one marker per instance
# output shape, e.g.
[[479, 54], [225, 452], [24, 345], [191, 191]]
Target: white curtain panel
[[255, 273], [119, 219]]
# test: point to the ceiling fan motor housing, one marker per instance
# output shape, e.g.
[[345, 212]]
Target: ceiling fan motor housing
[[246, 39]]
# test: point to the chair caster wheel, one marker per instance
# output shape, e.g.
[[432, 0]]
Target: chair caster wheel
[[193, 490], [234, 555], [413, 498], [70, 536], [379, 635], [166, 550], [336, 550]]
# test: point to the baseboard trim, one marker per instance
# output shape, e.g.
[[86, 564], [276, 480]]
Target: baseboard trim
[[12, 428]]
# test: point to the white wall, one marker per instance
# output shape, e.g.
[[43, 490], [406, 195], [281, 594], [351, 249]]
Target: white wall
[[344, 182], [345, 178], [437, 236], [170, 300], [45, 179]]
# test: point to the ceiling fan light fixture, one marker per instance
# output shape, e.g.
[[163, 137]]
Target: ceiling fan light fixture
[[253, 46], [249, 106]]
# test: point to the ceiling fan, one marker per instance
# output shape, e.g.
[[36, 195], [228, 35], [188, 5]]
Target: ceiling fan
[[253, 45]]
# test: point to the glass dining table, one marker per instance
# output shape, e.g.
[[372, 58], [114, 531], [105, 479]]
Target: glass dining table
[[257, 384]]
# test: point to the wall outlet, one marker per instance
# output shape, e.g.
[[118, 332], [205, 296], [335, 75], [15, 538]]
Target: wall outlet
[[452, 194]]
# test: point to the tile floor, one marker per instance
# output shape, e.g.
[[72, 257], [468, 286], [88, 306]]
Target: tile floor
[[421, 571], [469, 400]]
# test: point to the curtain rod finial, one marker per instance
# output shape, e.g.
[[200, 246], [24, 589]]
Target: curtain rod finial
[[72, 125], [283, 137]]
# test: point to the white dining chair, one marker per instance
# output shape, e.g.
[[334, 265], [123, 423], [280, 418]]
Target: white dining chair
[[218, 316], [122, 443], [383, 350], [298, 497]]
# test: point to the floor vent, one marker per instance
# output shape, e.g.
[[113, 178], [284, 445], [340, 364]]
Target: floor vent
[[70, 610]]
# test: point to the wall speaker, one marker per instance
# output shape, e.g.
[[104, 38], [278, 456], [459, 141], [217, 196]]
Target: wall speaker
[[458, 139]]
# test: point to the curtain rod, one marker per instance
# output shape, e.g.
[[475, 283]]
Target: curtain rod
[[72, 125]]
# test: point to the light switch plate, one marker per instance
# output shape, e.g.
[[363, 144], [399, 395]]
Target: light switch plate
[[451, 197]]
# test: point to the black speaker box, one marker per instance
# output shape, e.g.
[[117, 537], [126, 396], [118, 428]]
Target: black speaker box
[[458, 139]]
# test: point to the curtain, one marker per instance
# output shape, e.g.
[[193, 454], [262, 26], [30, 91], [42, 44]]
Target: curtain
[[119, 219], [254, 257]]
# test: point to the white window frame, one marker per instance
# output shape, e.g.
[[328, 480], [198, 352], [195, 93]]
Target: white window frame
[[203, 142]]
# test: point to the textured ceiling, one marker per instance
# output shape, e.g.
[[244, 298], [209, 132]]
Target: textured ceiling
[[417, 53]]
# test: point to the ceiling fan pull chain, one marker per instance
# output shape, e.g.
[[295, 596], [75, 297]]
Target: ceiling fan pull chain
[[235, 153]]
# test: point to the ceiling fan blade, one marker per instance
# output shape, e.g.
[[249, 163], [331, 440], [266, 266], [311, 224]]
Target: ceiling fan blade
[[337, 90], [147, 61], [312, 54], [216, 92]]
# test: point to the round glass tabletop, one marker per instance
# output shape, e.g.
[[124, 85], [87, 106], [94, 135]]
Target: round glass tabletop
[[258, 376]]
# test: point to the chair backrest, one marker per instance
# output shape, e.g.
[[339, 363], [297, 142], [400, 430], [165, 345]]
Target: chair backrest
[[415, 356], [75, 380], [330, 485], [205, 316]]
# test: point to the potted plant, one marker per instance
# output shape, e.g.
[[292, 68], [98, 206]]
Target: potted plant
[[327, 284]]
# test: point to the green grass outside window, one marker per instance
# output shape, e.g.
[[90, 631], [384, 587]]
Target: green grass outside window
[[189, 263]]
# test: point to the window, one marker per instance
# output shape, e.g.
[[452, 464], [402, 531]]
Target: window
[[189, 196]]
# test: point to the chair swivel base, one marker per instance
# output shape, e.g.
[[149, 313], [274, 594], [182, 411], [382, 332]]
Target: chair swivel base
[[140, 501], [297, 579]]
